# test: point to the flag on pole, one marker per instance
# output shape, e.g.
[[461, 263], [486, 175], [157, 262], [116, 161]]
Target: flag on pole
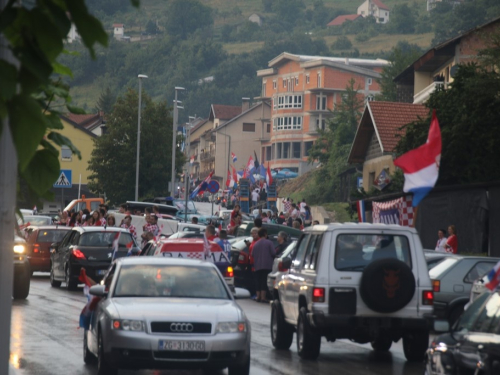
[[262, 171], [228, 180], [256, 163], [360, 205], [421, 165], [116, 245], [269, 177], [202, 186], [235, 176], [248, 169], [493, 277], [191, 160], [233, 157]]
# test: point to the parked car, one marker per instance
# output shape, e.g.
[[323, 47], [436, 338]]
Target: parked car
[[38, 244], [159, 312], [36, 220], [364, 282], [22, 271], [88, 247], [473, 345], [278, 270], [452, 282], [245, 228], [433, 257]]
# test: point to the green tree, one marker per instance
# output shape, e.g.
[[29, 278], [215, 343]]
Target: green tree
[[342, 43], [106, 101], [184, 17], [267, 6], [403, 20], [333, 146], [112, 162], [151, 27], [400, 58], [468, 117]]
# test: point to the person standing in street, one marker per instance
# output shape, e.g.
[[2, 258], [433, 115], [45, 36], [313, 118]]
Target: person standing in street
[[127, 224], [441, 242], [255, 198], [224, 243], [452, 242], [263, 255], [282, 243]]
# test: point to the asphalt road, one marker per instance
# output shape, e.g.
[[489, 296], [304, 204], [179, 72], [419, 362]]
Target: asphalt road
[[45, 340]]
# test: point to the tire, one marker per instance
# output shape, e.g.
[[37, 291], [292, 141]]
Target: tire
[[240, 370], [381, 344], [53, 282], [281, 331], [88, 357], [21, 287], [387, 285], [70, 284], [308, 341], [103, 367], [415, 345]]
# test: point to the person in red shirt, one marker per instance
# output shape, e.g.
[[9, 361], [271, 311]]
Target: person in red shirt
[[234, 214], [210, 233], [452, 242]]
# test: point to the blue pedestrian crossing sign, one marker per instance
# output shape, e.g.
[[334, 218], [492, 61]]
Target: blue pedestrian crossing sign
[[64, 180]]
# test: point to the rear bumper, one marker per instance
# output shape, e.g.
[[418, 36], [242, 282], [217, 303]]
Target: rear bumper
[[94, 270], [41, 264]]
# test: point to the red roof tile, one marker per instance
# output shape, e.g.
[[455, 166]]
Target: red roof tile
[[341, 19], [225, 112], [89, 121], [380, 4], [389, 117]]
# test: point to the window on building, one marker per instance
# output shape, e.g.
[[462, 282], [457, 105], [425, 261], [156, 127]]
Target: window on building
[[274, 102], [370, 98], [264, 89], [273, 151], [269, 153], [268, 127], [275, 86], [249, 127], [284, 83], [296, 150], [286, 150], [319, 79], [66, 154], [296, 81], [370, 81], [278, 151], [307, 148], [290, 101], [307, 78], [386, 13], [320, 125], [321, 103]]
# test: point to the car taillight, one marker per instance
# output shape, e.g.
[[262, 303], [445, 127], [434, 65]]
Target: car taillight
[[428, 297], [36, 248], [282, 268], [78, 254], [319, 295], [229, 272], [436, 285]]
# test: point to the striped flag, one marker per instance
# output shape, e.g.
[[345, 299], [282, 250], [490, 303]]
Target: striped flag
[[233, 157], [201, 187], [360, 205], [493, 277], [116, 245]]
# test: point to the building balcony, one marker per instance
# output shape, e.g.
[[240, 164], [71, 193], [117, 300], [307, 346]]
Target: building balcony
[[423, 96], [207, 156]]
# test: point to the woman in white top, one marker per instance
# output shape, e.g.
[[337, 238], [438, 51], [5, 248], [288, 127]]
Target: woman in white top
[[440, 246]]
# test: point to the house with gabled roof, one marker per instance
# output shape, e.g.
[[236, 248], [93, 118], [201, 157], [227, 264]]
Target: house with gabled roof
[[376, 9], [378, 134], [340, 20], [93, 122]]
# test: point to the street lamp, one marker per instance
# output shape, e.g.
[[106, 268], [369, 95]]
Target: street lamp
[[140, 76], [189, 126], [174, 137]]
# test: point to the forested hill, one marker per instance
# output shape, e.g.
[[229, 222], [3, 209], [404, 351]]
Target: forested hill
[[185, 41]]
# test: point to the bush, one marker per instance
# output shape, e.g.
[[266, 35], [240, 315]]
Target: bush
[[362, 38], [342, 43]]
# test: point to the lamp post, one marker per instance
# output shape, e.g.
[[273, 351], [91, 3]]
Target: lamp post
[[174, 137], [140, 76], [189, 125]]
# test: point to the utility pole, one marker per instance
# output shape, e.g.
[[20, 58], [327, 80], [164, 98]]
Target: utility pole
[[140, 76], [8, 181], [186, 176], [174, 139]]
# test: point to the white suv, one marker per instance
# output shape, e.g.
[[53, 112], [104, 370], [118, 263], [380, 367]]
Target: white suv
[[363, 282]]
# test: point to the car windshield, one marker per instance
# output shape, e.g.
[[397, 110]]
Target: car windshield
[[105, 239], [353, 252], [191, 209], [442, 267], [170, 281], [50, 235], [35, 220]]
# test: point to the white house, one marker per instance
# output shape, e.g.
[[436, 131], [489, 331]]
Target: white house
[[375, 8], [256, 18], [118, 30]]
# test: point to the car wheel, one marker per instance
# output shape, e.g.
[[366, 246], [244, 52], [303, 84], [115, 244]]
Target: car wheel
[[103, 367], [70, 284], [53, 282], [415, 345], [21, 285], [381, 344], [281, 331], [308, 341], [88, 357], [240, 370]]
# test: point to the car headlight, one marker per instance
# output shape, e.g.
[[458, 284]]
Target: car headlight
[[128, 325], [19, 249], [231, 327]]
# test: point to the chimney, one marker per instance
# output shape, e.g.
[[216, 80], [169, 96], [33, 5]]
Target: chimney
[[245, 104]]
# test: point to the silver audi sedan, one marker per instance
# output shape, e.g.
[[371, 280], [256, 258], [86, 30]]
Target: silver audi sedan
[[155, 313]]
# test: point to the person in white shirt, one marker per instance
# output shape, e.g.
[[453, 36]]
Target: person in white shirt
[[302, 206], [441, 242], [255, 197]]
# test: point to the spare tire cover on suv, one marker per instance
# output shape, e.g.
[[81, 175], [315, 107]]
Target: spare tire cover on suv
[[387, 285]]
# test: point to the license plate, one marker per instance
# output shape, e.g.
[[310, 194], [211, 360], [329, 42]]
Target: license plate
[[101, 272], [185, 346]]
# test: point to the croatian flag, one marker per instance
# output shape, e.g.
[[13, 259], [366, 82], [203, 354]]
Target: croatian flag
[[493, 277], [233, 156], [228, 180], [116, 245], [191, 160], [360, 205], [269, 177], [202, 187], [249, 168], [235, 176], [421, 165]]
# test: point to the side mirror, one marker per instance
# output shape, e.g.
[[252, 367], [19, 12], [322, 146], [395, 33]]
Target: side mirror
[[98, 290], [285, 264], [441, 326], [240, 293], [53, 247]]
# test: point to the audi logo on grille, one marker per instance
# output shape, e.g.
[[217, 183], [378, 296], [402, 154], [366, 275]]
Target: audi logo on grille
[[181, 327]]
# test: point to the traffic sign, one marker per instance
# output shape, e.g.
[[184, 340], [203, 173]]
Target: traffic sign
[[213, 187], [64, 180]]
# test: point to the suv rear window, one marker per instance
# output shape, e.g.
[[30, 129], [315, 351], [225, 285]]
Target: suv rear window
[[104, 239], [50, 235], [353, 252]]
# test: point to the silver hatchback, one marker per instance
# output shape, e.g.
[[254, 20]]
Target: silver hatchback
[[159, 313]]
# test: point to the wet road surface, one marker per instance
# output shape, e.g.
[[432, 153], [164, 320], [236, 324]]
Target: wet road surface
[[45, 340]]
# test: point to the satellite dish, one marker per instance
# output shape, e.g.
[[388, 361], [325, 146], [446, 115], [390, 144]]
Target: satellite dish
[[453, 70]]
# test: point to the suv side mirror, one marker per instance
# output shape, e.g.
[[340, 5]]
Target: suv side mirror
[[285, 264], [240, 293], [98, 290]]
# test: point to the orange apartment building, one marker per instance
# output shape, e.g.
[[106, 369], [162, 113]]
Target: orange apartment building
[[304, 92]]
